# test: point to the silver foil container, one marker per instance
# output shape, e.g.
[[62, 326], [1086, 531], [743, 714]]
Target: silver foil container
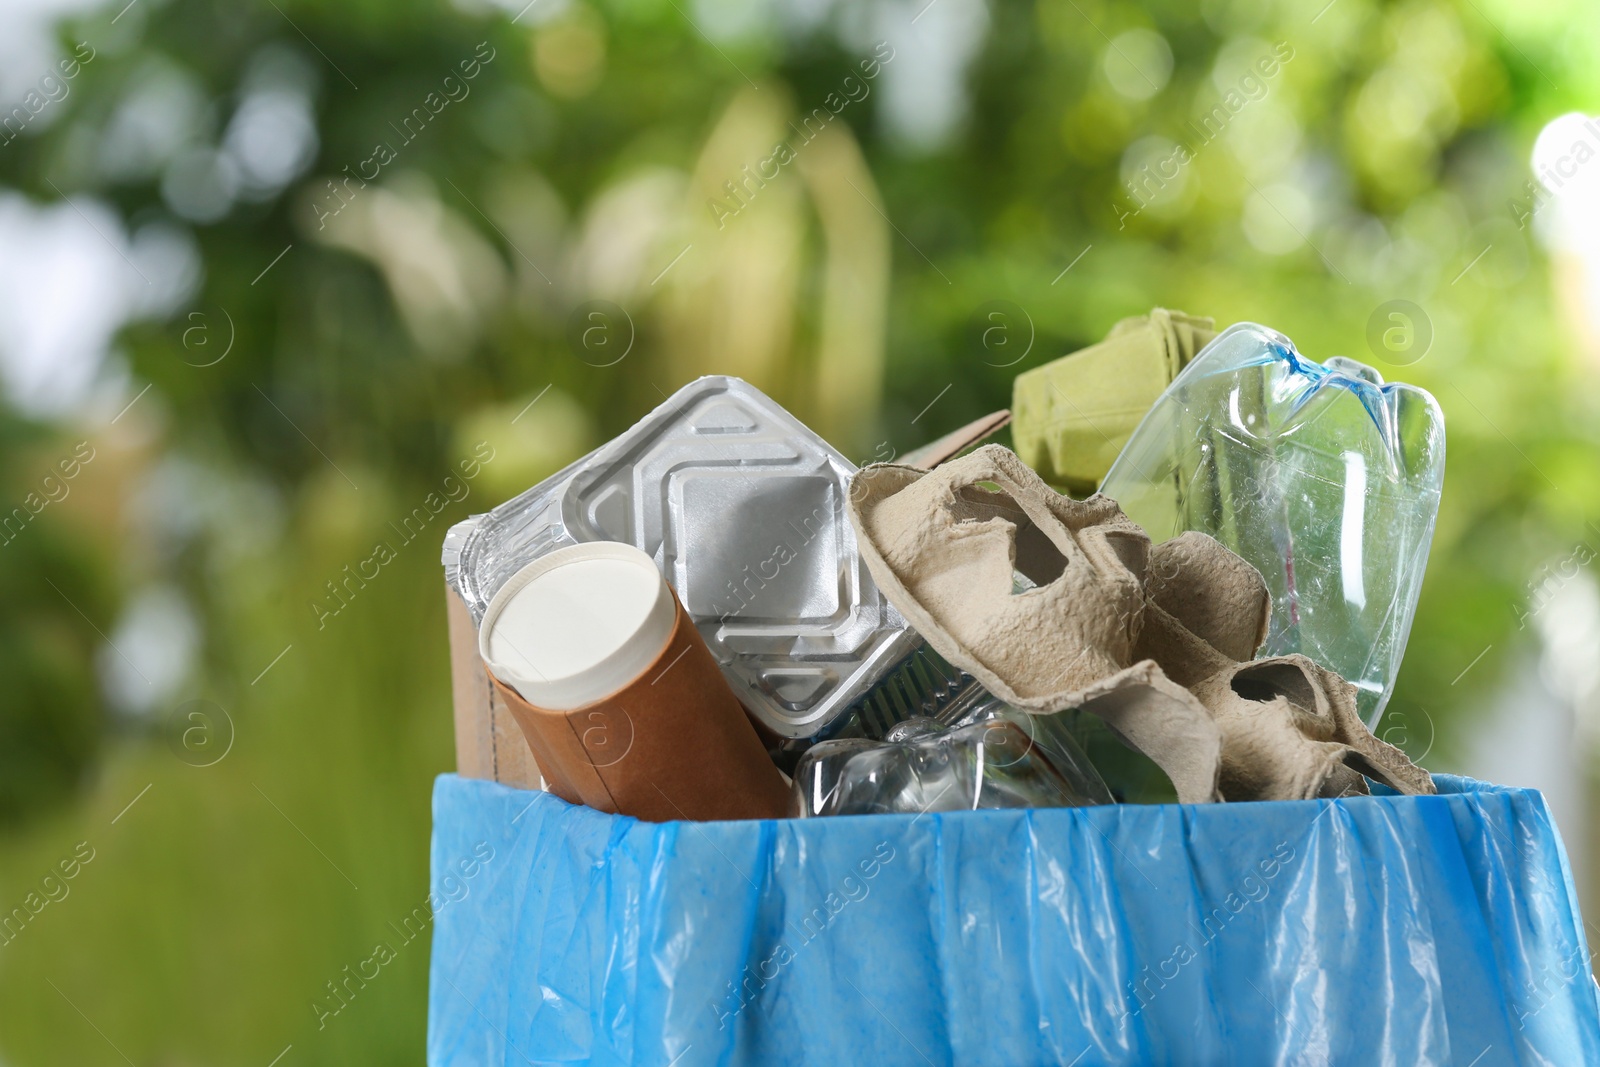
[[742, 508]]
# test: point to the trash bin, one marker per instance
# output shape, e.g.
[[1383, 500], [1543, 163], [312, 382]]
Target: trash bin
[[1372, 930]]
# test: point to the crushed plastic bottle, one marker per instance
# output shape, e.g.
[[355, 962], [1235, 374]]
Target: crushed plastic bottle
[[994, 756], [1322, 476]]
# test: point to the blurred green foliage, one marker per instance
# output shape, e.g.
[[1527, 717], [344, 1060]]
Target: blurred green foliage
[[50, 729], [377, 329]]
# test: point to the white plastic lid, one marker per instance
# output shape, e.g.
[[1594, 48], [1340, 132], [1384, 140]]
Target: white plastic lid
[[578, 624]]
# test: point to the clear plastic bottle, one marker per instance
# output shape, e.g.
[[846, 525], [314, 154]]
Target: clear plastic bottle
[[1322, 476]]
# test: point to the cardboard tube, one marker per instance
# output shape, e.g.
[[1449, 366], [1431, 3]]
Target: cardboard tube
[[671, 742]]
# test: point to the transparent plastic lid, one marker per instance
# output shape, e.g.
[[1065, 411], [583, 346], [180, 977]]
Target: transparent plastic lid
[[1323, 476]]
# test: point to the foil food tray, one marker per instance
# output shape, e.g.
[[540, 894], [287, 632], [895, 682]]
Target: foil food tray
[[742, 507]]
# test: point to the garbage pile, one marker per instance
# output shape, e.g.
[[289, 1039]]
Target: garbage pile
[[717, 616]]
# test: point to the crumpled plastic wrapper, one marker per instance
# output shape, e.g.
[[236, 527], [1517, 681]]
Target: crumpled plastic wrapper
[[991, 757]]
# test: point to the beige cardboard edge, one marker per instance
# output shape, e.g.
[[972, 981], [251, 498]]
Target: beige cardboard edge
[[935, 452], [489, 743]]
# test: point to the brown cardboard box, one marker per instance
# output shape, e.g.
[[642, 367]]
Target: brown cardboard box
[[489, 743]]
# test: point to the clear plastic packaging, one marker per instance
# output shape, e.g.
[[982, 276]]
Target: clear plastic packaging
[[1322, 476], [994, 756]]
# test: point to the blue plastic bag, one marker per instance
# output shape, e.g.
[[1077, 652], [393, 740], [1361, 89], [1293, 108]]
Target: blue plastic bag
[[1372, 930]]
